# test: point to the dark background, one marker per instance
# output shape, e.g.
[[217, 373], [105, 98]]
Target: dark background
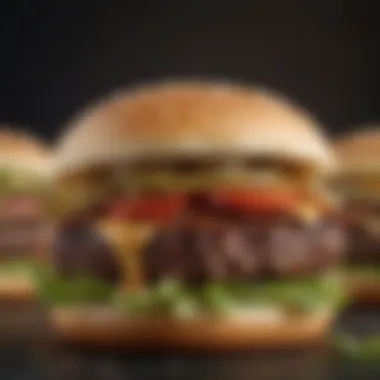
[[56, 56]]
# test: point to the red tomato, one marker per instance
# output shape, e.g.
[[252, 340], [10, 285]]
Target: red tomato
[[163, 208], [159, 208], [252, 201]]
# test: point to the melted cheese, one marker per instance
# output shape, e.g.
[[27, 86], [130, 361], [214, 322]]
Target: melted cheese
[[127, 239], [308, 213]]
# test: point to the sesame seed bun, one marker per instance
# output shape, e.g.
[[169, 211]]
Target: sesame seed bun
[[359, 151], [15, 288], [20, 150], [191, 119], [86, 327]]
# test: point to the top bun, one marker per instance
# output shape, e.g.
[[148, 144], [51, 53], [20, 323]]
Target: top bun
[[19, 150], [191, 119], [359, 151]]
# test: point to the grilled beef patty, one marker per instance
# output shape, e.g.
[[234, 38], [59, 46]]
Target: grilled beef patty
[[245, 250], [201, 245], [79, 250], [362, 223], [21, 222]]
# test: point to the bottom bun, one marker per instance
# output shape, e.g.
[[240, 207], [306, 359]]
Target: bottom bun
[[362, 288], [109, 329], [15, 288]]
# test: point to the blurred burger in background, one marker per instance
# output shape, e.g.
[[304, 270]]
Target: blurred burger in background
[[359, 184], [24, 165], [194, 214]]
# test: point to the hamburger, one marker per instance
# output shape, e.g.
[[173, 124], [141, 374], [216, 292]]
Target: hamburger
[[358, 181], [24, 166], [193, 215]]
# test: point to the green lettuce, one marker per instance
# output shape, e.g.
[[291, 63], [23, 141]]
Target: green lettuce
[[364, 270], [351, 347], [172, 297], [175, 298], [20, 182], [79, 290], [20, 267]]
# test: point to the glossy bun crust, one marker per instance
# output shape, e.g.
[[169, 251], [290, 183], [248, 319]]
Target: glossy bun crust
[[107, 329], [19, 149], [359, 151], [191, 119]]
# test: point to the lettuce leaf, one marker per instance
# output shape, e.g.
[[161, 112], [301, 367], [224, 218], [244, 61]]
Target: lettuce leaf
[[364, 270], [20, 267], [172, 297], [175, 298], [80, 290], [20, 182], [351, 347]]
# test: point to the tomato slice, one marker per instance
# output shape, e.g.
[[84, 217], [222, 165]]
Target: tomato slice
[[161, 208], [252, 201], [156, 208]]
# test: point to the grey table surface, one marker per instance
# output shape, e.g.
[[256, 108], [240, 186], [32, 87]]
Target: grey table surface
[[29, 353]]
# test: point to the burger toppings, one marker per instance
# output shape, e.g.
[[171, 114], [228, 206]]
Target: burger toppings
[[21, 221], [18, 237], [126, 242], [157, 208], [206, 243], [361, 220]]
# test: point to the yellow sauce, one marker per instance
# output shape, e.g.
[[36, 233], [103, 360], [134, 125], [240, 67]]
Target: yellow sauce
[[127, 239]]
